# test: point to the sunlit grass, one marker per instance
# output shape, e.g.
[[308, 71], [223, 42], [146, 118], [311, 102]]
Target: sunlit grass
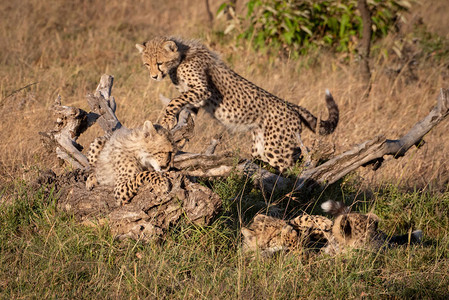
[[46, 253]]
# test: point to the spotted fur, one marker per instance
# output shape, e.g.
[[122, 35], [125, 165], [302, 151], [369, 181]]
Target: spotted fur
[[357, 230], [269, 235], [131, 158], [349, 230], [204, 80]]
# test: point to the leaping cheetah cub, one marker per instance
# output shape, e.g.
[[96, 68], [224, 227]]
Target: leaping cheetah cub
[[349, 230], [204, 80], [130, 158]]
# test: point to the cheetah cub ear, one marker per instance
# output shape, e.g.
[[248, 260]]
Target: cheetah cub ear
[[140, 47], [149, 129], [247, 233], [170, 46]]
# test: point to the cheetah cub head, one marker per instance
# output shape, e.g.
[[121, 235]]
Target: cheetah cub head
[[269, 235], [155, 146], [159, 55]]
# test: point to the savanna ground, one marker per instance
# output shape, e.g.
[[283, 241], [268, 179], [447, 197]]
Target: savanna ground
[[55, 47]]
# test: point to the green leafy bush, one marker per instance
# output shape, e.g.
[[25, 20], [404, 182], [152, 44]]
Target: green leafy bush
[[297, 26]]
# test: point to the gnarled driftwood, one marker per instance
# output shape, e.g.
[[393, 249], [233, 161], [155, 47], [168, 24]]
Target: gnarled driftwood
[[372, 152], [149, 215]]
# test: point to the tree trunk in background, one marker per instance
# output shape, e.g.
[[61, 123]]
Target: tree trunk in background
[[209, 13], [365, 45]]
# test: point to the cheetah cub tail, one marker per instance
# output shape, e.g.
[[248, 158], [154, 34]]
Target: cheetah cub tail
[[416, 235], [414, 238], [328, 126], [335, 208]]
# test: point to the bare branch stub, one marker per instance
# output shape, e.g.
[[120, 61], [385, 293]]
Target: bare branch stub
[[183, 131], [70, 123], [103, 104], [213, 144]]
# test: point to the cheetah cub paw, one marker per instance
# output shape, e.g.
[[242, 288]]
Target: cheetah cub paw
[[91, 182], [162, 187]]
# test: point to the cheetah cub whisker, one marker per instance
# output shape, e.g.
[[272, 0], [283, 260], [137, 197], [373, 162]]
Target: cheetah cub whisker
[[131, 158], [204, 80]]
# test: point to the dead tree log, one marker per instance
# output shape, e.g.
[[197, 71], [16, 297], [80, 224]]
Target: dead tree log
[[70, 123], [103, 105], [154, 213], [372, 152], [149, 215]]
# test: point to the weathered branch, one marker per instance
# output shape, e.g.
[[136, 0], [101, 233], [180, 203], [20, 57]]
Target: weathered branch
[[103, 104], [213, 144], [147, 217], [373, 151], [223, 165], [71, 122]]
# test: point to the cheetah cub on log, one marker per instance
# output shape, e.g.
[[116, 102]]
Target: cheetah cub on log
[[204, 80], [131, 158]]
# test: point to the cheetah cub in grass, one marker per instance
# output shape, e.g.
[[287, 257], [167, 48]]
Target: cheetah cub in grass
[[349, 230], [131, 158], [357, 230], [270, 235], [204, 80]]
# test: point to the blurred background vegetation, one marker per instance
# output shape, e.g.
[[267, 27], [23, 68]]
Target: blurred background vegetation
[[297, 27]]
